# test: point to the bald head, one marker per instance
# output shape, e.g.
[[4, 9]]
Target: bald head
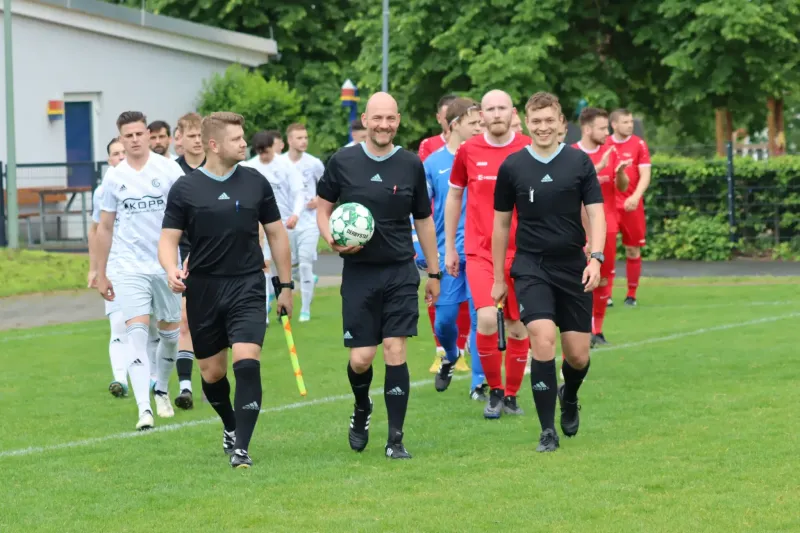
[[381, 119], [497, 111], [383, 101]]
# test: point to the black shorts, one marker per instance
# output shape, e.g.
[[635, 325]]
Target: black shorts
[[551, 289], [222, 311], [379, 302]]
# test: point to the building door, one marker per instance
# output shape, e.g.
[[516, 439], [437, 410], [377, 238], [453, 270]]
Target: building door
[[78, 130]]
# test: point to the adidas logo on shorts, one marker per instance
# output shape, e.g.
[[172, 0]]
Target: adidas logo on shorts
[[347, 336]]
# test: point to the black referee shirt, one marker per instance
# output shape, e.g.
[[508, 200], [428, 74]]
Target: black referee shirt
[[548, 194], [184, 243], [392, 187], [221, 216]]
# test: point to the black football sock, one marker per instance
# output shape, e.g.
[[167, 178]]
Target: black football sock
[[573, 379], [360, 384], [218, 395], [247, 400], [396, 389], [545, 392], [183, 366]]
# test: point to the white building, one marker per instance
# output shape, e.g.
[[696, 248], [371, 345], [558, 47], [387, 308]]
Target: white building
[[101, 59]]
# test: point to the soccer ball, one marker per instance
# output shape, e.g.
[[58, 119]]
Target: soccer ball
[[352, 225]]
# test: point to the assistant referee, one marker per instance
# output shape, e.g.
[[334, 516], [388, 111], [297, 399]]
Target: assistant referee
[[380, 301], [220, 205], [547, 182]]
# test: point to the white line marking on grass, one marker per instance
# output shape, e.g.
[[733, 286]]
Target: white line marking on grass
[[35, 450]]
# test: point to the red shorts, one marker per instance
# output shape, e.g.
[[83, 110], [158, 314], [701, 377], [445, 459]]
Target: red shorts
[[480, 278], [633, 226], [610, 254]]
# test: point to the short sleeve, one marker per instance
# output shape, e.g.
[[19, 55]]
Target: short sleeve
[[644, 154], [458, 174], [268, 211], [429, 181], [421, 202], [109, 200], [329, 186], [590, 186], [424, 151], [97, 199], [175, 212], [319, 170], [505, 197]]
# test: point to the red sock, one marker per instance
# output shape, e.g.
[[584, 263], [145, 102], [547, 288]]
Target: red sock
[[634, 272], [464, 323], [432, 316], [491, 360], [599, 305], [516, 359]]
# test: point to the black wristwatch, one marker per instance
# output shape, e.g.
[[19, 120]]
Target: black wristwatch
[[438, 275], [599, 256], [289, 285]]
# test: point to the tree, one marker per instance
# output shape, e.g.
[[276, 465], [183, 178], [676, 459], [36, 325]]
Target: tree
[[264, 104]]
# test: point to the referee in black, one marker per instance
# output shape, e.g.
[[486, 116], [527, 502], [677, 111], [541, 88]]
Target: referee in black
[[380, 300], [221, 205], [548, 182]]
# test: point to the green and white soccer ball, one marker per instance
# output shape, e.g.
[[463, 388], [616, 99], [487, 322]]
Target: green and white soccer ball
[[352, 225]]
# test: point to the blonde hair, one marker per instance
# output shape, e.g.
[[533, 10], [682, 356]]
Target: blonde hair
[[189, 120], [215, 123], [542, 100]]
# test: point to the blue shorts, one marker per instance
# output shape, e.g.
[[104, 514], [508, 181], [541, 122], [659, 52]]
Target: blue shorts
[[454, 290]]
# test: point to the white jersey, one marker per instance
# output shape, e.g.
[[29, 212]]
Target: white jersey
[[286, 182], [139, 199], [312, 170], [97, 199]]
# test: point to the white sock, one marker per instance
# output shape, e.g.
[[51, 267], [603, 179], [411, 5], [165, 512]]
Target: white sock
[[139, 367], [167, 354], [152, 347], [306, 286], [118, 347]]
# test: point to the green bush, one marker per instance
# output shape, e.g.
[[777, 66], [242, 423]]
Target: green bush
[[265, 104], [766, 200], [694, 237]]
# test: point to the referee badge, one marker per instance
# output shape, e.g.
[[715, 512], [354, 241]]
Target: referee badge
[[530, 194]]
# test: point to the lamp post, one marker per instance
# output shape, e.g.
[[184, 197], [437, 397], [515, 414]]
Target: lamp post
[[11, 141]]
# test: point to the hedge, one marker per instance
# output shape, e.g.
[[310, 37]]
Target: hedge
[[687, 208]]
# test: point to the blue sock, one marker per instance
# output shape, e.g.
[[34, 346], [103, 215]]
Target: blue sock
[[447, 329], [478, 376]]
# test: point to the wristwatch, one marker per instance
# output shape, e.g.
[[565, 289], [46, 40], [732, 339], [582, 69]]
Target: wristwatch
[[289, 285], [437, 275], [599, 256]]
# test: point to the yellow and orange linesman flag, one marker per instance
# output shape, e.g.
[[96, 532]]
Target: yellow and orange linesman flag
[[287, 332]]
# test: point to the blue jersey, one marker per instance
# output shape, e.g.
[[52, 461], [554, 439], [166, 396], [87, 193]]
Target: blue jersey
[[437, 174]]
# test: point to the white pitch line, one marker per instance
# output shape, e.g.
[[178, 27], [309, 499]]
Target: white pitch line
[[330, 399]]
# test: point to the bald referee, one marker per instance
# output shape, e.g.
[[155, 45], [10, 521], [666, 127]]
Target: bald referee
[[221, 206], [380, 302], [546, 182]]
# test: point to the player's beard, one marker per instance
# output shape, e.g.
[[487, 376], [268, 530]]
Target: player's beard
[[499, 128], [160, 150]]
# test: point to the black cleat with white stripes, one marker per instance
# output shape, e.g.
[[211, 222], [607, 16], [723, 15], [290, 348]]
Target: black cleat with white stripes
[[359, 427]]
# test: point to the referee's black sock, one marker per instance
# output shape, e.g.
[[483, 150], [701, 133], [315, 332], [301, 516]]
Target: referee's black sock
[[218, 395], [360, 384], [545, 391], [573, 379], [396, 388], [247, 400]]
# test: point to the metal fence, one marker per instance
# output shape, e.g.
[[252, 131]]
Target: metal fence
[[761, 213]]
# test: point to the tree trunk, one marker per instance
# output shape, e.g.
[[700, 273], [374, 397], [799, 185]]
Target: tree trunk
[[722, 130], [781, 138], [772, 126]]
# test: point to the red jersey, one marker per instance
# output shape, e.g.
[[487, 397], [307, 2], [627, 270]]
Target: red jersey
[[608, 183], [635, 149], [475, 169], [430, 145]]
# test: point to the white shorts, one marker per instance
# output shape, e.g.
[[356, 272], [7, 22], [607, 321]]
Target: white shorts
[[303, 243], [147, 294], [112, 307]]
